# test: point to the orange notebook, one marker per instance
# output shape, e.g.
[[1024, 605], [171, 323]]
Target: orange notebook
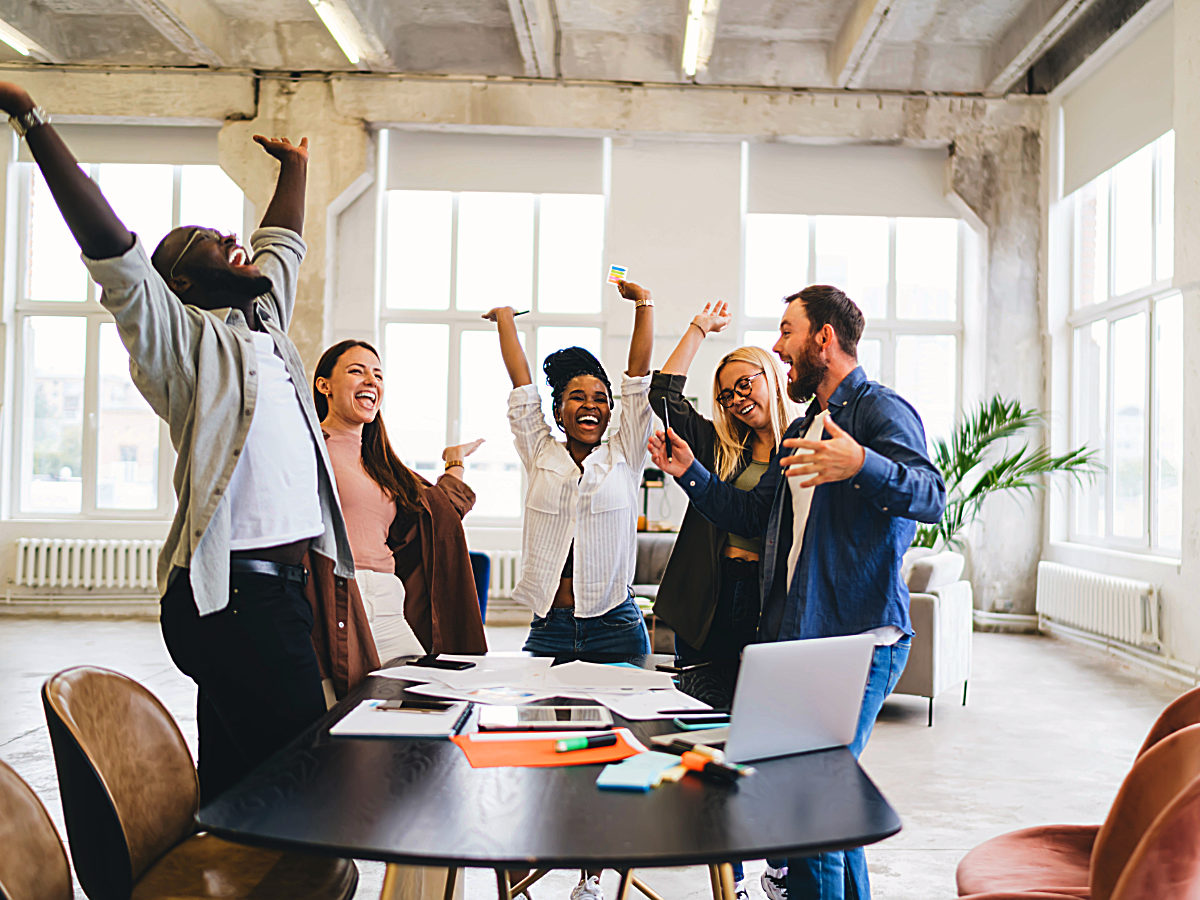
[[489, 750]]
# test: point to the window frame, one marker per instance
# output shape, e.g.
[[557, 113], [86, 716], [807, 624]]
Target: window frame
[[887, 329], [1110, 311], [461, 320]]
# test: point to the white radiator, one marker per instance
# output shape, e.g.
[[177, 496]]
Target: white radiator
[[1119, 608], [504, 572], [89, 564]]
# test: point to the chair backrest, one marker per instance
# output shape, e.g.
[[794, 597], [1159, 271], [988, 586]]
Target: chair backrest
[[1166, 863], [1155, 780], [129, 788], [33, 864], [653, 554], [481, 570], [1181, 712]]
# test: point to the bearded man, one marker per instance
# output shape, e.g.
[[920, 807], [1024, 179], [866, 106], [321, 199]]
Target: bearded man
[[858, 480]]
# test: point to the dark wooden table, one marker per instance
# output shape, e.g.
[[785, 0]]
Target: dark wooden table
[[418, 802]]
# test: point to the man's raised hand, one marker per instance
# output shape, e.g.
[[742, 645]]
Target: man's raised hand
[[14, 99], [681, 454], [283, 149], [836, 459]]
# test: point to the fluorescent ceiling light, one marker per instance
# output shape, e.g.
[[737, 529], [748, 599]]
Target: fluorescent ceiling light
[[333, 22], [698, 38], [14, 39]]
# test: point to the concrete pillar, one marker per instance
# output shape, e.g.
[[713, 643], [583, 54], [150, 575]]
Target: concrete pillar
[[998, 174], [1181, 623], [340, 151]]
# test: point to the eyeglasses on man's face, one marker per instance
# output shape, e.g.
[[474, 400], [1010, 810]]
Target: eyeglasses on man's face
[[741, 388], [199, 235]]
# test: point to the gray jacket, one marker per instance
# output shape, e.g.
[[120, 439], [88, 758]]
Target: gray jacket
[[198, 373]]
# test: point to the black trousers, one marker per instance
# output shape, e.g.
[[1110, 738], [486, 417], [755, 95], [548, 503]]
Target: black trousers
[[734, 625], [255, 667]]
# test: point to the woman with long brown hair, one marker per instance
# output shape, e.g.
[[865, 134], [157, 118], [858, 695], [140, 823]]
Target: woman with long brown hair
[[410, 551]]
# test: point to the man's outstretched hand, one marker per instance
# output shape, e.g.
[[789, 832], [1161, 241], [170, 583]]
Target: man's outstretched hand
[[681, 454], [14, 99], [283, 149], [820, 462]]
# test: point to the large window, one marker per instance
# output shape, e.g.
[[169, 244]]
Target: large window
[[89, 444], [450, 257], [1127, 353], [904, 274]]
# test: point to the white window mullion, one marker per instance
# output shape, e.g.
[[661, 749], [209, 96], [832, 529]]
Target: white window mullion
[[1110, 486], [89, 464]]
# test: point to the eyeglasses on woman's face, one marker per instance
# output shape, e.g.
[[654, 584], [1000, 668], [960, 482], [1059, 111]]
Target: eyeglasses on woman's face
[[741, 388]]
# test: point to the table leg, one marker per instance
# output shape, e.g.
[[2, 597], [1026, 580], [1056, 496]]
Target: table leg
[[623, 887], [714, 876], [391, 881], [451, 878], [727, 884], [523, 885], [503, 887], [643, 887]]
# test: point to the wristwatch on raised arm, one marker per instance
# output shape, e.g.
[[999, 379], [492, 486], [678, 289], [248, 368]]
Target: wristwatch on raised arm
[[23, 123]]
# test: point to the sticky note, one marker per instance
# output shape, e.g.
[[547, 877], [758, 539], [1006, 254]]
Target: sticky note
[[616, 273]]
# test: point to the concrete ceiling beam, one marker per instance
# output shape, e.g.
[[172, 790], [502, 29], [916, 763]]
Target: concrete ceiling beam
[[859, 40], [366, 23], [536, 25], [1036, 27], [35, 29], [195, 27]]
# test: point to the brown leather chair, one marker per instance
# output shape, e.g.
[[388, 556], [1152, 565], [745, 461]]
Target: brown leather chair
[[1181, 712], [130, 795], [33, 865], [1089, 860]]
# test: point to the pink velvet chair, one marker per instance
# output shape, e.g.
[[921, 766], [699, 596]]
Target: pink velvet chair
[[1088, 860]]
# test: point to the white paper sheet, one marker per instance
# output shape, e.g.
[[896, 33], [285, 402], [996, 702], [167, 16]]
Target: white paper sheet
[[646, 705], [596, 676], [500, 695], [488, 671], [367, 721]]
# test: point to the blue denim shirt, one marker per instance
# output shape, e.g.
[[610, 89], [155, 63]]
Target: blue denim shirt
[[847, 579]]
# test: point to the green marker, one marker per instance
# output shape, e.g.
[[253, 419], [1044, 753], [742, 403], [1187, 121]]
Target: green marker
[[585, 743]]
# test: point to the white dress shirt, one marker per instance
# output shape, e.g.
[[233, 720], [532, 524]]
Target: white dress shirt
[[597, 508]]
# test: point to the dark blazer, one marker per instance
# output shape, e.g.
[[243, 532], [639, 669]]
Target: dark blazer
[[687, 596]]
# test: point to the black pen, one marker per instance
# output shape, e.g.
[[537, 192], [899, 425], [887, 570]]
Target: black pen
[[667, 427], [521, 313], [462, 720]]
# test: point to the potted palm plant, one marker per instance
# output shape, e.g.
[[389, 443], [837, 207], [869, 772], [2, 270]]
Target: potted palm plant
[[981, 459]]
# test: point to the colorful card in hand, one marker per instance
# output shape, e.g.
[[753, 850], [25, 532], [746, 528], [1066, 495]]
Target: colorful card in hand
[[616, 273], [486, 751]]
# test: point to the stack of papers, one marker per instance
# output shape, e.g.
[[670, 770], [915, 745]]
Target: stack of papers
[[633, 693]]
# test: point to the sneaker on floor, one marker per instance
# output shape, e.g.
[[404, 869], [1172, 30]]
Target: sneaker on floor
[[588, 889], [740, 891], [774, 883]]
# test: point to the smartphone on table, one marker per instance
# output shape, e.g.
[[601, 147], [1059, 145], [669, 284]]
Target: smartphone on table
[[432, 662]]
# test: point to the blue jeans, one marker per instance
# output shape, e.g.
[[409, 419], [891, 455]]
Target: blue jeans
[[834, 876], [621, 630]]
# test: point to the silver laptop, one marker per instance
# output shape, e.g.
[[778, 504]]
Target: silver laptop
[[797, 696]]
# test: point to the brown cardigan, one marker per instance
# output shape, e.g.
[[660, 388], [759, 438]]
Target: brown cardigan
[[440, 601]]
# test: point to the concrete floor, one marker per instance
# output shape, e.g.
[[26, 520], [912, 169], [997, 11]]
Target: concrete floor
[[1050, 731]]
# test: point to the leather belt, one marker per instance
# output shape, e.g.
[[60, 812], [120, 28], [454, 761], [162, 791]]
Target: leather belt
[[243, 566]]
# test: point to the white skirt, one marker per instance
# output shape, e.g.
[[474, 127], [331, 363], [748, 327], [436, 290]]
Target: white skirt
[[383, 598]]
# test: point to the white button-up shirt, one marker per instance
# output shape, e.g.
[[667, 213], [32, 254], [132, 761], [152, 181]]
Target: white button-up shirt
[[597, 508]]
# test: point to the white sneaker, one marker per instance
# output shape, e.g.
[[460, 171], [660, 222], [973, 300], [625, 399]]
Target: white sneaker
[[774, 883], [740, 891], [588, 889]]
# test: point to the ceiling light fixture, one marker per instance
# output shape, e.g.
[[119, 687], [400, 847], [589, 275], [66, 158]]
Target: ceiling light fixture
[[329, 15], [699, 35], [14, 39]]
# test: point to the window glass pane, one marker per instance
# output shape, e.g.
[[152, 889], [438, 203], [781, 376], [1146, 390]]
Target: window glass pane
[[776, 261], [927, 268], [570, 241], [52, 465], [1129, 426], [1132, 186], [495, 250], [764, 339], [141, 196], [1091, 243], [208, 197], [852, 254], [416, 355], [483, 413], [53, 268], [1168, 407], [418, 249], [127, 438], [1164, 247], [926, 376], [1091, 422], [870, 357], [554, 338]]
